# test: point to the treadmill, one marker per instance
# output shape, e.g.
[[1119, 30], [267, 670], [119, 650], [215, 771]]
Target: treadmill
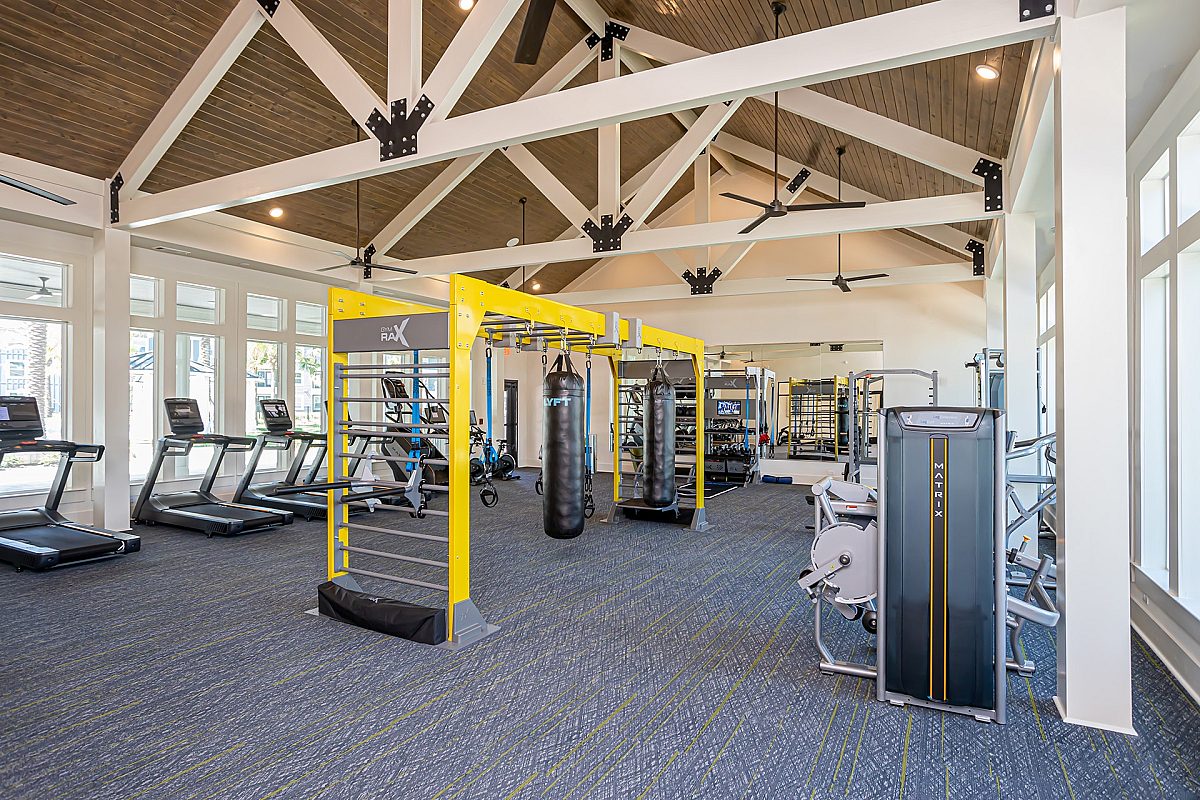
[[41, 538], [199, 510], [299, 494]]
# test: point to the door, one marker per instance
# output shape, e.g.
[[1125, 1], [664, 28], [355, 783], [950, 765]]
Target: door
[[510, 416]]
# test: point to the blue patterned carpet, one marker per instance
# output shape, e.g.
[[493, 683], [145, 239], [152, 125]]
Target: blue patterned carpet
[[638, 661]]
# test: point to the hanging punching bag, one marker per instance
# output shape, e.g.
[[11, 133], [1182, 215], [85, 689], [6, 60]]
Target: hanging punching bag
[[658, 413], [563, 466]]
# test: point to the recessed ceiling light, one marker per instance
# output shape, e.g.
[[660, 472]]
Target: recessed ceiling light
[[987, 72], [535, 286], [276, 212], [513, 242], [466, 5]]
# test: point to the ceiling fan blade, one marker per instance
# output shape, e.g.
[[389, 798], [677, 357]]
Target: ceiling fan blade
[[810, 280], [825, 206], [754, 224], [335, 266], [533, 32], [744, 199], [840, 282], [40, 192], [867, 277], [395, 269]]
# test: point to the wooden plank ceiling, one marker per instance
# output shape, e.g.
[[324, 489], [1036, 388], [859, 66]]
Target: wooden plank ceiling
[[80, 80]]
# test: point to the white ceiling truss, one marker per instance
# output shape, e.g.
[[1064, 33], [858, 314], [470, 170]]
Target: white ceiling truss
[[413, 127]]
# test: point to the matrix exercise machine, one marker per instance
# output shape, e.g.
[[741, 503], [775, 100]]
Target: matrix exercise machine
[[199, 510], [41, 538], [931, 567]]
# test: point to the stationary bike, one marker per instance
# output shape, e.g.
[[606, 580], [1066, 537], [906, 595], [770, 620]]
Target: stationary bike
[[493, 463]]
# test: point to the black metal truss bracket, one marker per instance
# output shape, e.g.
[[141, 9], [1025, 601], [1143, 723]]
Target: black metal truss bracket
[[398, 136], [269, 6], [976, 248], [702, 282], [1033, 9], [993, 184], [367, 254], [612, 30], [803, 175], [606, 237], [114, 198]]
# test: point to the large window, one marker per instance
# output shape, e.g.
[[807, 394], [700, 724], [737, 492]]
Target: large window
[[262, 381], [32, 364], [197, 303], [310, 389], [197, 375], [144, 409], [143, 296], [31, 280], [310, 319], [1155, 412], [263, 313], [1155, 196]]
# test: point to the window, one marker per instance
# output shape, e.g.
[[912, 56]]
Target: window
[[1155, 408], [197, 303], [31, 280], [197, 359], [143, 296], [31, 364], [263, 313], [1189, 171], [1188, 387], [1155, 193], [310, 319], [143, 407], [262, 381], [310, 390]]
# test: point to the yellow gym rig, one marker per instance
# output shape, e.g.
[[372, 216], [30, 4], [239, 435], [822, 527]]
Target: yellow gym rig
[[363, 323]]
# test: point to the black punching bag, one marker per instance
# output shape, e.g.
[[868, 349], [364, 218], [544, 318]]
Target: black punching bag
[[658, 413], [563, 453]]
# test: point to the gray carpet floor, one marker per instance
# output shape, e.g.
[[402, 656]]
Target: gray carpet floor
[[638, 661]]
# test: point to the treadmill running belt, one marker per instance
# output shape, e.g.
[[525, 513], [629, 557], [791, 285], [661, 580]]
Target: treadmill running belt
[[231, 512], [72, 544]]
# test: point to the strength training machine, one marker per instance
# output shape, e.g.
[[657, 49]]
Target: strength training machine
[[41, 538]]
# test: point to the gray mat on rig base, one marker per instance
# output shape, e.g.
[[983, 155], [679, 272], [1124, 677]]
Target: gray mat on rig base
[[638, 661]]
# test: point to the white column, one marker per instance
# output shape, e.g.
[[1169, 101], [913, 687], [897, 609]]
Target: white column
[[1020, 348], [110, 377], [1092, 421], [993, 299], [609, 147]]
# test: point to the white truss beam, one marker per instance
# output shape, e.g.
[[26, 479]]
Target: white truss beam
[[550, 186], [404, 49], [914, 143], [827, 185], [554, 79], [680, 157], [879, 216], [591, 13], [702, 200], [466, 53], [346, 85], [608, 146], [224, 48], [931, 31]]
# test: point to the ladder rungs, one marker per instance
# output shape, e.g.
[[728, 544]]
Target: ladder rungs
[[393, 532], [395, 556], [397, 579]]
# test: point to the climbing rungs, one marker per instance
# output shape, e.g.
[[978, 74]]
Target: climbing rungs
[[397, 579], [392, 532], [433, 462], [396, 557], [396, 400]]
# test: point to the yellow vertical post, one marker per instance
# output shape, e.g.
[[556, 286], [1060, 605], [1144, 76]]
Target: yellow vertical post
[[464, 318], [336, 525], [614, 363], [701, 425]]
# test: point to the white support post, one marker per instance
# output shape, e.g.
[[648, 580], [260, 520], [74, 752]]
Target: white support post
[[224, 48], [608, 185], [678, 159], [1093, 426], [702, 201], [550, 186], [346, 85], [110, 377], [466, 54], [993, 302], [1020, 348], [404, 50]]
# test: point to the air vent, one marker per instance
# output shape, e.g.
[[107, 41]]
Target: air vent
[[177, 251], [836, 348]]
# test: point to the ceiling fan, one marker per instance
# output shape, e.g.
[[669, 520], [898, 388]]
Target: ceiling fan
[[40, 192], [776, 208], [362, 258], [839, 281]]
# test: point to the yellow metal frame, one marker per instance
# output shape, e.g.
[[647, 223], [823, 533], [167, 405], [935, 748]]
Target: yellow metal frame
[[471, 300]]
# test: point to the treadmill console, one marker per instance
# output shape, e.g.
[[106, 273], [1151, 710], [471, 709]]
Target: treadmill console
[[275, 415], [183, 415], [19, 418]]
